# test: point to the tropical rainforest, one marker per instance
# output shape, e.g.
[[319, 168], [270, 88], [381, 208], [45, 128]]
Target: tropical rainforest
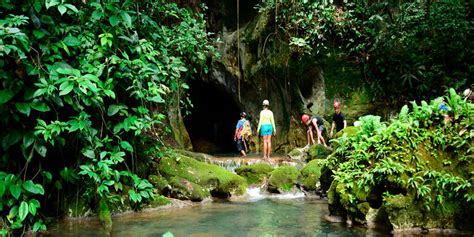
[[92, 93]]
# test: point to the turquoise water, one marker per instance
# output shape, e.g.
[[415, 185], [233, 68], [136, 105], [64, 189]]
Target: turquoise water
[[264, 217]]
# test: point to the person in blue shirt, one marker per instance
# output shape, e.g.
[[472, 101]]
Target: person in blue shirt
[[443, 108], [238, 134]]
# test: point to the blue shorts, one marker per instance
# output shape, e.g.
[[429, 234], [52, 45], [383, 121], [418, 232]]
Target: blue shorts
[[266, 129]]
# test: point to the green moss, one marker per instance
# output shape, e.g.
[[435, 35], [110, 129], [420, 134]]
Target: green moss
[[104, 215], [310, 175], [318, 151], [159, 200], [295, 153], [335, 206], [209, 176], [283, 178], [187, 190], [363, 207], [159, 182], [255, 173]]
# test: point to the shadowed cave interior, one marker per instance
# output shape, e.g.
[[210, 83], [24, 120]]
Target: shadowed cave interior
[[212, 119]]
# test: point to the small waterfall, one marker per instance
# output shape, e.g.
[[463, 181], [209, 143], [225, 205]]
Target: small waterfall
[[254, 194], [231, 163]]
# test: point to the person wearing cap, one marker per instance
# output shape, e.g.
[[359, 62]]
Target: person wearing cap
[[266, 128], [468, 95], [338, 119], [317, 123], [238, 136]]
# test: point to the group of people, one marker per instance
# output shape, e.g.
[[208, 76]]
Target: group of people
[[316, 123], [266, 128]]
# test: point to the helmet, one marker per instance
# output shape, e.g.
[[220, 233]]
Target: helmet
[[243, 114], [337, 104], [304, 118], [266, 102], [467, 92]]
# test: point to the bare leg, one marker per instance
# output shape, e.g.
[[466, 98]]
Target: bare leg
[[322, 139], [269, 146], [264, 147]]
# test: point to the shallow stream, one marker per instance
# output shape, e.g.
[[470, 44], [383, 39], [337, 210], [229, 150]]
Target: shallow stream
[[278, 216]]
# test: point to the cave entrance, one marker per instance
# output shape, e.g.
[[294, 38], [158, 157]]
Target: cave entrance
[[212, 119]]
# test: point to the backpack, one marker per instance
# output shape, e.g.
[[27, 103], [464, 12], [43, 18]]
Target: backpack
[[246, 131]]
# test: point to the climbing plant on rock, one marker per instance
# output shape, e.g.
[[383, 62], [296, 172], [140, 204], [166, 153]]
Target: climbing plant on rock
[[82, 91]]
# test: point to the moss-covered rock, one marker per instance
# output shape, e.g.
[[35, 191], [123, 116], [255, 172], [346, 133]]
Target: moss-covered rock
[[299, 154], [159, 182], [318, 151], [283, 179], [104, 215], [335, 207], [404, 212], [255, 173], [187, 190], [159, 200], [183, 172], [310, 175]]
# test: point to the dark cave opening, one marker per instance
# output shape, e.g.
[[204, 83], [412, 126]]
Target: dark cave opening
[[212, 119]]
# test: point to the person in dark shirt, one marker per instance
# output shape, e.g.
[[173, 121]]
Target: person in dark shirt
[[317, 123], [338, 120]]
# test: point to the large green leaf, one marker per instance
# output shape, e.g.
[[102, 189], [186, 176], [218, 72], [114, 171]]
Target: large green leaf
[[23, 211], [113, 20], [126, 18], [13, 137], [72, 41], [33, 206], [40, 106], [15, 190], [2, 188], [65, 88], [113, 109], [62, 9], [41, 150], [28, 139], [5, 96], [126, 145], [23, 108], [51, 3], [33, 188], [89, 153]]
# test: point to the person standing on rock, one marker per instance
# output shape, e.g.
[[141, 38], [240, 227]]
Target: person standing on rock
[[238, 134], [317, 123], [338, 120], [266, 128]]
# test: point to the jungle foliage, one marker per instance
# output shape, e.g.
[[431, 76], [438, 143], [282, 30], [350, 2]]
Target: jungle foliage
[[405, 49], [84, 86], [418, 155]]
